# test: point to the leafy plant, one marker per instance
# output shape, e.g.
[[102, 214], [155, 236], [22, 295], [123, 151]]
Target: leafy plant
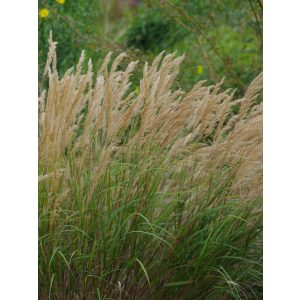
[[150, 31]]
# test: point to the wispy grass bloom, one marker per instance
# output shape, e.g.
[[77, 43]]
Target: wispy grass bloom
[[44, 13]]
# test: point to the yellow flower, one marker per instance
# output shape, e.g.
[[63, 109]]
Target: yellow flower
[[44, 12], [60, 1], [199, 69], [137, 90]]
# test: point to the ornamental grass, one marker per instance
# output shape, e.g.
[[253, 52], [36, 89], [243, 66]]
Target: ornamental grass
[[154, 194]]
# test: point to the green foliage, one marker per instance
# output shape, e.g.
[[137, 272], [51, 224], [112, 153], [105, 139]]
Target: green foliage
[[150, 31], [74, 24], [225, 39], [134, 241]]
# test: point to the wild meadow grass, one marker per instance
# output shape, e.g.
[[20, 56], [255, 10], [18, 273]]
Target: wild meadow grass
[[154, 194]]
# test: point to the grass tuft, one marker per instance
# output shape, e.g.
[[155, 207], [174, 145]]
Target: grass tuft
[[149, 195]]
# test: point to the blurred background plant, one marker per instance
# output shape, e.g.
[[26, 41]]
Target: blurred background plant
[[220, 38]]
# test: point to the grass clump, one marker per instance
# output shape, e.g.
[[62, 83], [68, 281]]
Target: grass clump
[[153, 194]]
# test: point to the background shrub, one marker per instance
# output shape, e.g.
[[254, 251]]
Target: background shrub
[[220, 39]]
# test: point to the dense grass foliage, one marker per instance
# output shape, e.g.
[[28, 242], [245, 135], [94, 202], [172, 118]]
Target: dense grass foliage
[[152, 193], [132, 240]]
